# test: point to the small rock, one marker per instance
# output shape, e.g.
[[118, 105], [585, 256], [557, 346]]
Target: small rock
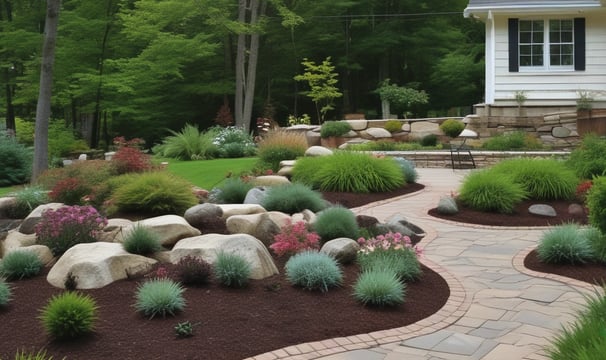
[[576, 209], [542, 210]]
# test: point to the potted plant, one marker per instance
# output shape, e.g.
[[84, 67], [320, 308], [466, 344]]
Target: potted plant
[[332, 132]]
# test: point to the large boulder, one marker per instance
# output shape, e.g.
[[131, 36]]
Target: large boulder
[[115, 230], [16, 240], [29, 223], [270, 180], [6, 204], [255, 195], [200, 215], [208, 246], [318, 151], [262, 226], [170, 228], [398, 223], [377, 133], [344, 250], [95, 265], [240, 209]]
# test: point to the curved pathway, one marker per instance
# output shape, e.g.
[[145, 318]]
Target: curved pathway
[[497, 308]]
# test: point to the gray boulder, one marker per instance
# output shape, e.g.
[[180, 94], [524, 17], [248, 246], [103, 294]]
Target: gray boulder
[[344, 250], [542, 210], [170, 228], [199, 215], [255, 195]]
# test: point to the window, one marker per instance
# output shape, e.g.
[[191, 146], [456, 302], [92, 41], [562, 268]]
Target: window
[[547, 44]]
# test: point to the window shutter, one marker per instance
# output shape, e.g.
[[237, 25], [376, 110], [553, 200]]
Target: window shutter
[[579, 44], [513, 45]]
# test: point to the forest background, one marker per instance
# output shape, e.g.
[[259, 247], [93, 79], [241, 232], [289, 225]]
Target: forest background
[[137, 68]]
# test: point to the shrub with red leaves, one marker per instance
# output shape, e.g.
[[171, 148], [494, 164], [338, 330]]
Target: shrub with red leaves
[[70, 191]]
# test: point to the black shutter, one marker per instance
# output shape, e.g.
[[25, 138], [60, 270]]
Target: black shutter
[[513, 45], [579, 44]]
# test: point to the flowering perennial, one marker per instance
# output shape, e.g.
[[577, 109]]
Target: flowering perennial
[[67, 226], [294, 238], [386, 242]]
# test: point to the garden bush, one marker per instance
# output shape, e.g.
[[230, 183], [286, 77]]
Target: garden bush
[[543, 179], [294, 238], [26, 200], [67, 226], [487, 190], [62, 140], [234, 142], [293, 198], [564, 244], [452, 128], [6, 293], [70, 191], [429, 140], [379, 288], [334, 128], [153, 193], [277, 146], [597, 241], [518, 140], [232, 270], [233, 191], [189, 144], [393, 126], [142, 240], [392, 252], [160, 296], [408, 169], [129, 158], [15, 161], [20, 264], [304, 171], [313, 270], [335, 222], [192, 270], [69, 315], [596, 203], [588, 158]]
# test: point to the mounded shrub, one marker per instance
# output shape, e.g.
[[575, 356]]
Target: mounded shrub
[[430, 140], [276, 146], [408, 169], [293, 198], [20, 264], [305, 170], [69, 315], [232, 270], [153, 193], [294, 238], [487, 190], [379, 288], [596, 203], [15, 161], [5, 293], [160, 296], [313, 270], [518, 140], [393, 126], [193, 271], [402, 262], [588, 158], [233, 191], [334, 128], [335, 222], [564, 244], [452, 128], [234, 142], [597, 240], [142, 240]]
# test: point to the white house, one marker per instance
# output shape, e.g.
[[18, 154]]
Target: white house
[[549, 51]]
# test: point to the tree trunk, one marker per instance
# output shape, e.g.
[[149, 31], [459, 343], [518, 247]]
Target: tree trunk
[[43, 108], [240, 65], [385, 109]]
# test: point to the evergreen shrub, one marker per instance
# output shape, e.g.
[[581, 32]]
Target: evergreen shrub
[[233, 191], [142, 240], [452, 128], [15, 161], [232, 270], [313, 270], [160, 296], [20, 264], [393, 126], [588, 158], [565, 244], [596, 203], [335, 222], [69, 315], [293, 198], [334, 128]]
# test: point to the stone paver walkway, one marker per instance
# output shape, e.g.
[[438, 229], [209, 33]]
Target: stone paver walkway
[[497, 308]]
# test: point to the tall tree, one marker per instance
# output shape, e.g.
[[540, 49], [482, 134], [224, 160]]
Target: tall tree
[[43, 109]]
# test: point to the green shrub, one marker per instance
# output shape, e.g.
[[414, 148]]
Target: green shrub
[[193, 271], [159, 296], [189, 144], [335, 222], [358, 173], [184, 329], [403, 262], [452, 128], [313, 270], [234, 142], [277, 146], [334, 128], [597, 240], [15, 162], [588, 159], [408, 169], [6, 293], [486, 190], [26, 200], [20, 264], [142, 240], [154, 193], [393, 126], [543, 179], [379, 288], [62, 140], [596, 203], [564, 244], [40, 355], [233, 191], [232, 270], [69, 315], [304, 171], [429, 140], [518, 140], [293, 198]]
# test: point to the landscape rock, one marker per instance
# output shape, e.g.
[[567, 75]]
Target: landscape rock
[[344, 250], [28, 224], [263, 226], [366, 221], [240, 209], [270, 180], [208, 246], [170, 228], [255, 195], [6, 204], [576, 209], [115, 230], [97, 264], [358, 125], [447, 206], [17, 240], [398, 223], [42, 252], [199, 215], [560, 132], [377, 133], [318, 151], [313, 138], [542, 210]]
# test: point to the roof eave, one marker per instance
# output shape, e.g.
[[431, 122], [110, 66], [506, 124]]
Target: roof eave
[[482, 11]]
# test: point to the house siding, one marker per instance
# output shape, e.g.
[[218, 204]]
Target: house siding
[[549, 87]]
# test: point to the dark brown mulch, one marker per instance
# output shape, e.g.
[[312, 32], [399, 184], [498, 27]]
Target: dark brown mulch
[[592, 273]]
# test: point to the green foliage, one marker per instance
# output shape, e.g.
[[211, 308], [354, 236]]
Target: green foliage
[[15, 161], [193, 271], [588, 159], [408, 169], [517, 140], [393, 126], [402, 98], [26, 200], [313, 270], [232, 270], [153, 193], [379, 288], [6, 293], [233, 191], [334, 128], [20, 264], [234, 142], [292, 198], [184, 329], [69, 315], [429, 140], [189, 144], [335, 222], [487, 190], [596, 203], [402, 262], [597, 240], [276, 146], [564, 244], [543, 179], [142, 240], [209, 173], [40, 355], [386, 146], [159, 296], [452, 128], [62, 141], [322, 80]]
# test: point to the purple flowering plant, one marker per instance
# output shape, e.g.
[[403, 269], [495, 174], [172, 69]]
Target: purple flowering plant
[[388, 242], [67, 226], [294, 238]]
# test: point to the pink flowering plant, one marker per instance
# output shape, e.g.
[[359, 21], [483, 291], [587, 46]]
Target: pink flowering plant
[[393, 252], [67, 226], [294, 238]]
